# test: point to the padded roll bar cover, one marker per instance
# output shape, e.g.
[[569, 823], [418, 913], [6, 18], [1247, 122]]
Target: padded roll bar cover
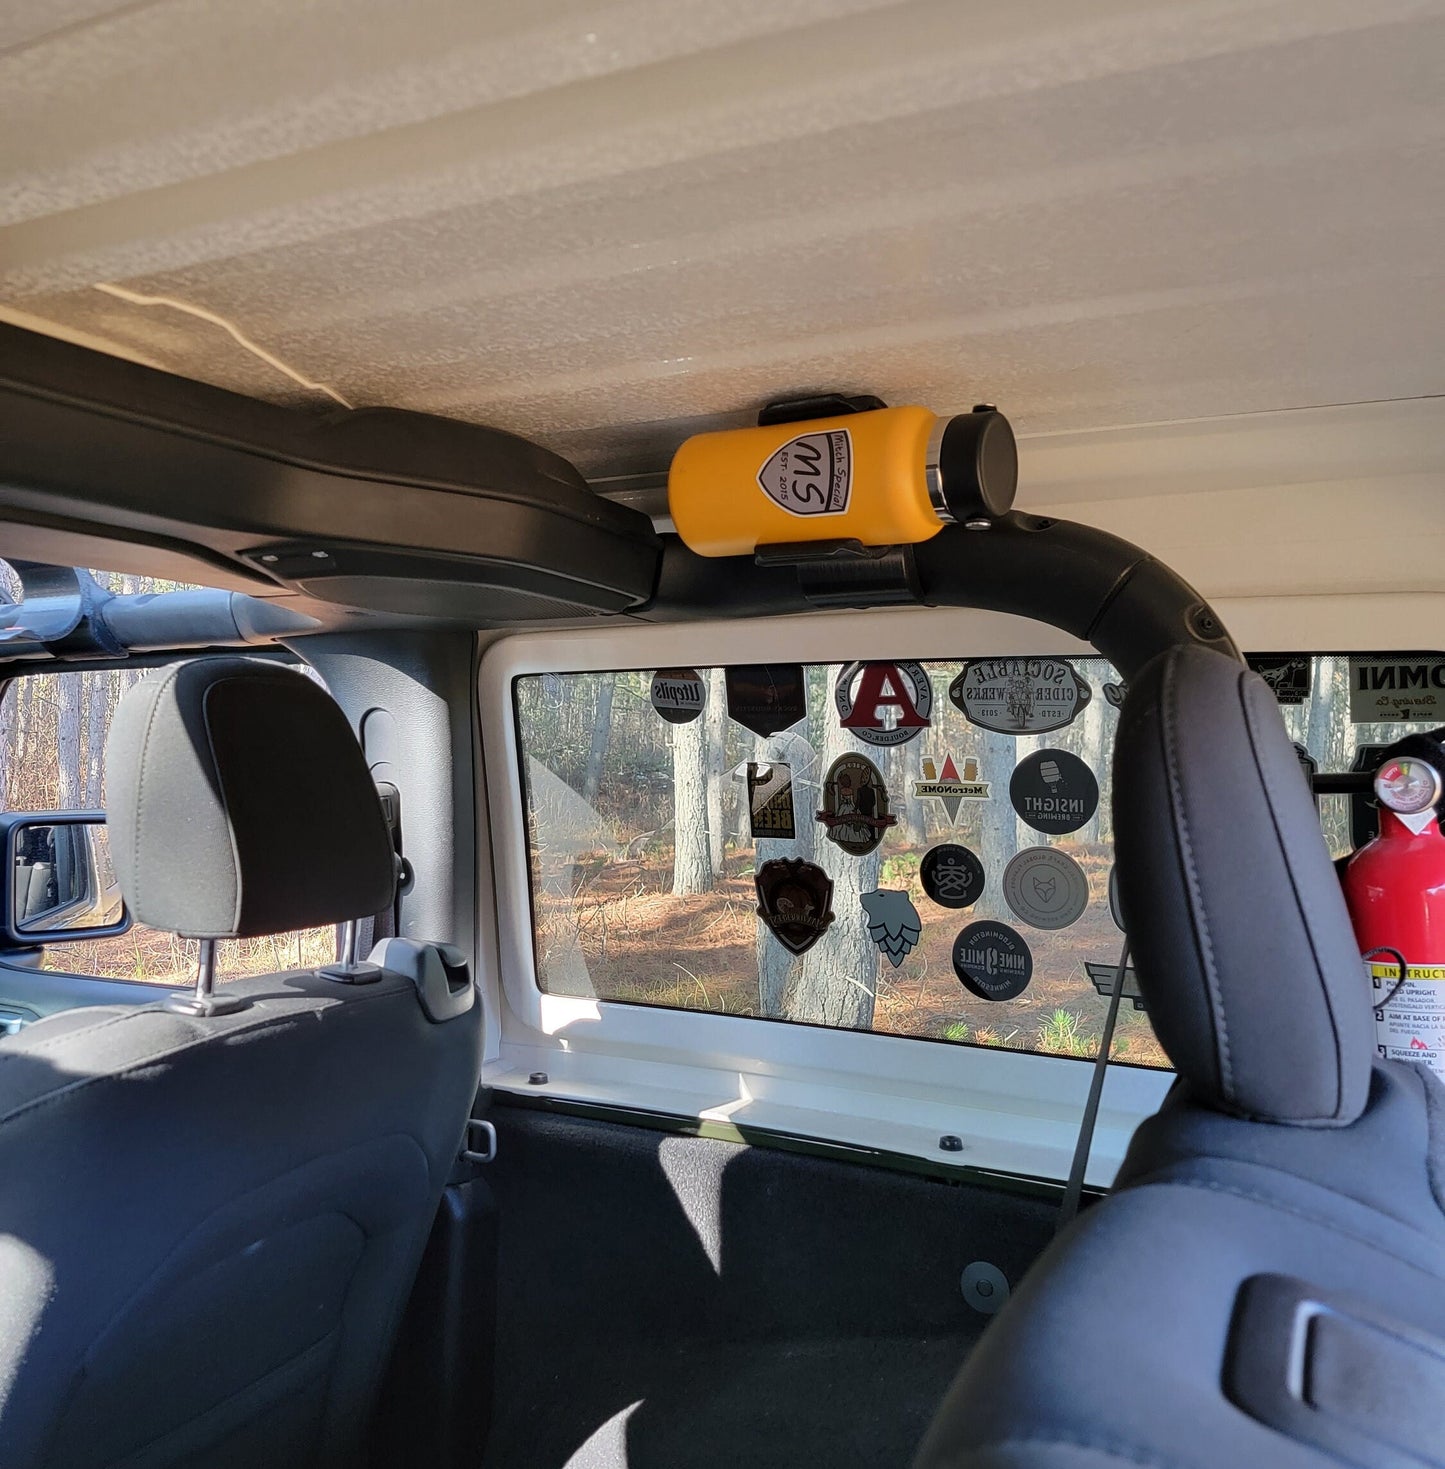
[[1242, 942], [240, 804]]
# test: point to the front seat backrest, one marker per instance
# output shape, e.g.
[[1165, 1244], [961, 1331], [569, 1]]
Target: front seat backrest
[[1266, 1283], [211, 1223]]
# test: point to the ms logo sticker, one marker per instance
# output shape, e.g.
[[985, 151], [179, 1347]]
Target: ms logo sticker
[[811, 474]]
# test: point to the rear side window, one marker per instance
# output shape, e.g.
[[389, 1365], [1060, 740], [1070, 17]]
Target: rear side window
[[916, 849]]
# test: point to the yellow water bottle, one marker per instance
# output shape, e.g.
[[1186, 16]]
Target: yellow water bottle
[[885, 477]]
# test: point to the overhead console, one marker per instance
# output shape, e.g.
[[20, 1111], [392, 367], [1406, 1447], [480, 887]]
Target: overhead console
[[379, 509]]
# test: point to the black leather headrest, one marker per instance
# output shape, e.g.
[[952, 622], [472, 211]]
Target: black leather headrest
[[1242, 942], [240, 804]]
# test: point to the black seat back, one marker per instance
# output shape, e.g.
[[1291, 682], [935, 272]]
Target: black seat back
[[1273, 1255], [212, 1221]]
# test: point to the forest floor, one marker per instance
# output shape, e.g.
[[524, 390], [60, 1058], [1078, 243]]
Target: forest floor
[[644, 945]]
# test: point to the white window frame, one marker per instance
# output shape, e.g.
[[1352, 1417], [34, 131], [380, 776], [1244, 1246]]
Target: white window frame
[[1015, 1112]]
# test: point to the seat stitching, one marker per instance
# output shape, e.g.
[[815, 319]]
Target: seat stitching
[[1128, 1453], [141, 1062], [1168, 726], [1306, 1214], [1302, 902], [10, 1054]]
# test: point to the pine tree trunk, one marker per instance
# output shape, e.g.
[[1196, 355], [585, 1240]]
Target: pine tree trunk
[[97, 724], [715, 719], [67, 745], [601, 734], [997, 836], [692, 870]]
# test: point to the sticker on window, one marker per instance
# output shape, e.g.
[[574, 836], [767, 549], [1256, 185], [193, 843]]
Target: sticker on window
[[1054, 792], [948, 788], [1019, 696], [893, 923], [795, 901], [992, 961], [1397, 689], [884, 703], [678, 694], [770, 801], [766, 697], [1288, 678], [855, 805]]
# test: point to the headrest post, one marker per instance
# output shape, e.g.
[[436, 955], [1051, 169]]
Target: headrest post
[[348, 971], [205, 970], [203, 1000]]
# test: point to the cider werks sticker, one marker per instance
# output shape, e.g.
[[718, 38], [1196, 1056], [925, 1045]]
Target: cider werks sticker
[[855, 805], [795, 901], [1054, 792], [770, 800], [952, 876], [1288, 678], [893, 923], [884, 703], [948, 788], [766, 697], [992, 961], [678, 694], [1019, 695], [1397, 689], [811, 474], [1045, 887]]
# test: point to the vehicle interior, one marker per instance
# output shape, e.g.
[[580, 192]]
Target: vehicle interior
[[722, 734]]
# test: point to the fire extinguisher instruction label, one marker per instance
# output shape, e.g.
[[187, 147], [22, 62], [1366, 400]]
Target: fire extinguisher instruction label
[[1412, 1026], [811, 474]]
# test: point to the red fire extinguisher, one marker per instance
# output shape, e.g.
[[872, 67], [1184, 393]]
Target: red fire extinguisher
[[1395, 891]]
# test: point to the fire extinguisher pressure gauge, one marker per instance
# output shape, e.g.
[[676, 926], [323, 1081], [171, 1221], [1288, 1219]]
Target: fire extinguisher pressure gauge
[[1408, 786]]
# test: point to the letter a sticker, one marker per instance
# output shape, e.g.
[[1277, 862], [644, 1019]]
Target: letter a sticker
[[884, 703]]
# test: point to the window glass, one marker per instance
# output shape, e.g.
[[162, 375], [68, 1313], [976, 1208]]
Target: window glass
[[969, 855], [52, 758]]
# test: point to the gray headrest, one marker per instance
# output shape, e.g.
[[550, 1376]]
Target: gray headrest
[[1242, 942], [240, 804]]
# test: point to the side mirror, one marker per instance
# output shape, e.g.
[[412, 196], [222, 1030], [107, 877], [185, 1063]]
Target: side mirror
[[62, 885]]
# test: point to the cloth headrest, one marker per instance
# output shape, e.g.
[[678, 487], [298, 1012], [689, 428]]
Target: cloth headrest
[[240, 804], [1242, 943]]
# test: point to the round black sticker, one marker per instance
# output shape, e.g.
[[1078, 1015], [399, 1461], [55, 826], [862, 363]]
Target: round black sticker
[[952, 876], [1054, 792], [678, 694], [1114, 898], [992, 961]]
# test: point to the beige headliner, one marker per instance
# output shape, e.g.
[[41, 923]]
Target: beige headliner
[[605, 225]]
